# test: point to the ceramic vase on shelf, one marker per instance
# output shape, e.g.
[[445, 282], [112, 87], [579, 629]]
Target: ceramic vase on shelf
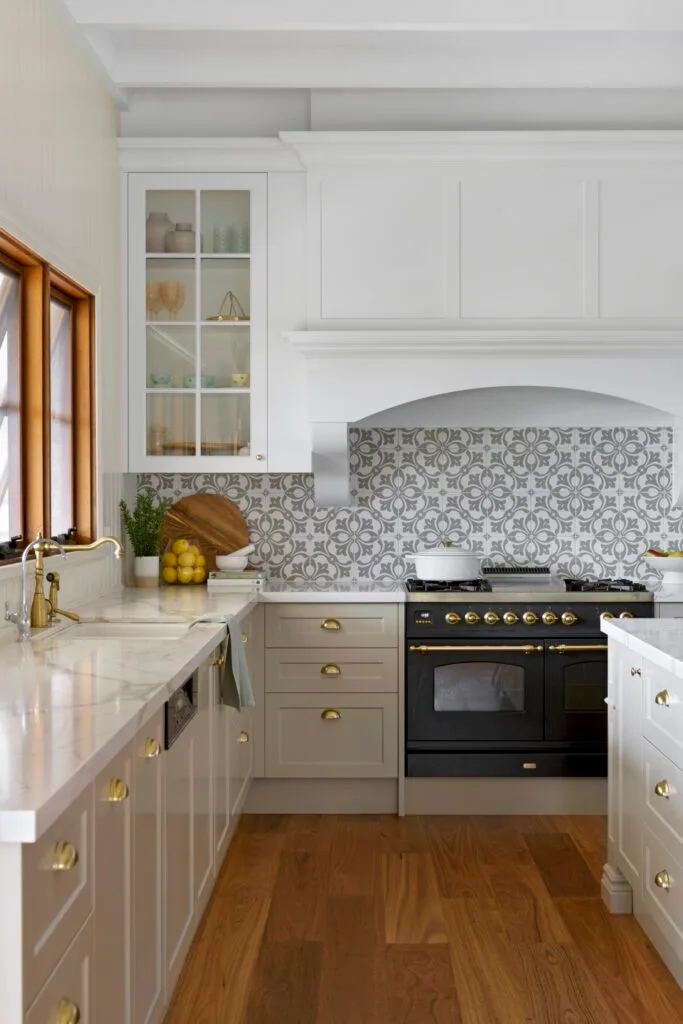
[[158, 226], [180, 240], [146, 571]]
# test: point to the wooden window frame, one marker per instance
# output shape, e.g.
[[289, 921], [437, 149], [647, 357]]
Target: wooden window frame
[[39, 283]]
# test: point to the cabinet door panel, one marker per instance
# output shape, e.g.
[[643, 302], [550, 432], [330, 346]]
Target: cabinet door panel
[[202, 837], [71, 982], [221, 785], [240, 739], [628, 765], [179, 887]]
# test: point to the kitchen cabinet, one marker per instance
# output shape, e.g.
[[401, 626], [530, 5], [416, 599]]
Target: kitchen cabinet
[[197, 307], [68, 995], [202, 838], [179, 877], [221, 774], [240, 738], [625, 733]]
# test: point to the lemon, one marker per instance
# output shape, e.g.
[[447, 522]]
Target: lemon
[[169, 560], [186, 559], [201, 561], [179, 546], [198, 575], [193, 549], [169, 574], [185, 574]]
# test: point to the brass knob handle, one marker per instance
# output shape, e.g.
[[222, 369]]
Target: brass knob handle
[[663, 789], [626, 615], [64, 856], [635, 672], [568, 618], [490, 618], [331, 715], [662, 698], [452, 618], [332, 625], [549, 618], [243, 737], [530, 618], [607, 615], [663, 880], [260, 458], [330, 670], [118, 791], [152, 749], [471, 618], [510, 618], [68, 1012]]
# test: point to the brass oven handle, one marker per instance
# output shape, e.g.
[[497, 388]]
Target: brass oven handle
[[526, 648], [563, 648]]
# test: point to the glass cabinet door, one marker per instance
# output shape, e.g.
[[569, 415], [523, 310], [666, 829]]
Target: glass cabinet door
[[197, 327]]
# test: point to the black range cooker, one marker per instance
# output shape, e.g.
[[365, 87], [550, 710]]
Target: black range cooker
[[507, 675]]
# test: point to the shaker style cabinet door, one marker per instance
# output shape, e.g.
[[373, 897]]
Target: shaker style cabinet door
[[179, 887], [221, 772], [627, 802], [201, 803]]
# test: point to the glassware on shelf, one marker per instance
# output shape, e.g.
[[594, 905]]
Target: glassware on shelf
[[233, 311], [173, 297], [241, 239], [154, 300]]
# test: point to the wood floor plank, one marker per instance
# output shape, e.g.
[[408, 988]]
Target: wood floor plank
[[350, 981], [251, 864], [402, 835], [412, 906], [217, 978], [309, 833], [297, 911], [354, 856], [263, 824], [561, 866], [456, 856], [560, 988], [420, 988], [285, 984], [498, 843], [589, 832], [525, 905]]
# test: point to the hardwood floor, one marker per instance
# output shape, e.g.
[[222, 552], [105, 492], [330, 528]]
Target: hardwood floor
[[380, 920]]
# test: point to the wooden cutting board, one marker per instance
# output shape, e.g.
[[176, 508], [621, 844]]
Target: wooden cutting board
[[215, 523]]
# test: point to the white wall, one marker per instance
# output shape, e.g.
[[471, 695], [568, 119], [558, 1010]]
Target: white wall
[[60, 194]]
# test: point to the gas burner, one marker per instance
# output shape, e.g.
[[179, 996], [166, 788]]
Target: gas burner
[[476, 586], [605, 586]]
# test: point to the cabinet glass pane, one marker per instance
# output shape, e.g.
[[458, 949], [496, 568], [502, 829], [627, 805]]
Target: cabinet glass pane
[[225, 357], [166, 211], [61, 418], [10, 404], [170, 291], [171, 360], [171, 424], [479, 686], [225, 220], [226, 427], [225, 289]]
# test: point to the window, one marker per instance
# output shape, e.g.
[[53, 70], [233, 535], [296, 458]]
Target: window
[[46, 399]]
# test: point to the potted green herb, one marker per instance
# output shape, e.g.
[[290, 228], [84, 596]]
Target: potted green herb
[[143, 526]]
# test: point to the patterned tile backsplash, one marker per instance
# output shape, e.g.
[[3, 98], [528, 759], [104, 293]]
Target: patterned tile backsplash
[[585, 500]]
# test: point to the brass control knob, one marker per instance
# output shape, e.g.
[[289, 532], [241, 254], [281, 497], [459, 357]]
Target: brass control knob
[[549, 618], [490, 618], [626, 615], [510, 619], [568, 618], [471, 618], [530, 618], [607, 615], [452, 618]]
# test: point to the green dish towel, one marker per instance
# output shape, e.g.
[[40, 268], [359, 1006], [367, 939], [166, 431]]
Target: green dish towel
[[235, 682]]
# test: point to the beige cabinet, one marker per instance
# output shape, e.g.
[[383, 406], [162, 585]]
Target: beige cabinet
[[220, 728], [332, 625], [304, 670], [179, 879], [113, 829], [253, 631], [146, 909], [68, 992], [202, 842], [241, 746]]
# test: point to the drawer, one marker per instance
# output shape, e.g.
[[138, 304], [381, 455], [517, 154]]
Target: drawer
[[332, 625], [662, 785], [663, 722], [663, 905], [360, 670], [57, 890], [332, 735], [70, 986]]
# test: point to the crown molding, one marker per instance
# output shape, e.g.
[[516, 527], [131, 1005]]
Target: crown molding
[[208, 154]]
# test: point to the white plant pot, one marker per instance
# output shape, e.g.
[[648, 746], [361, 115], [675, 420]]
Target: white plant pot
[[446, 564], [146, 571]]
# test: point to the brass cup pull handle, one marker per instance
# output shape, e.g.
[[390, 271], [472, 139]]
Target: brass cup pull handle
[[331, 715], [330, 670], [152, 749], [663, 699], [332, 625], [243, 737], [245, 639], [635, 671], [68, 1012], [218, 662], [663, 789], [663, 880], [64, 856], [118, 791]]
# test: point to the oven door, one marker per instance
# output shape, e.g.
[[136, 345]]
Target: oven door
[[474, 693], [576, 687]]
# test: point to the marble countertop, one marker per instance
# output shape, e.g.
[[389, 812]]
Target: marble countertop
[[339, 592], [659, 640]]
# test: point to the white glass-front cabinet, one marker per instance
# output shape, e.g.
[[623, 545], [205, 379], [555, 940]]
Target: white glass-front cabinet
[[197, 322]]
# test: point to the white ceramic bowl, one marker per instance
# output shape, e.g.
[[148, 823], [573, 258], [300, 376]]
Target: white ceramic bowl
[[231, 563], [446, 564], [667, 566]]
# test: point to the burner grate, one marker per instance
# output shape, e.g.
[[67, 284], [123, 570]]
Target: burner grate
[[606, 586], [476, 586]]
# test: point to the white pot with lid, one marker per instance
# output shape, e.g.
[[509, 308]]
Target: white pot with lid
[[446, 563]]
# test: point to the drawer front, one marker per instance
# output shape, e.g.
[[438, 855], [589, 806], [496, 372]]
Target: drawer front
[[70, 987], [57, 894], [331, 736], [663, 711], [344, 671], [663, 905], [332, 625], [662, 785]]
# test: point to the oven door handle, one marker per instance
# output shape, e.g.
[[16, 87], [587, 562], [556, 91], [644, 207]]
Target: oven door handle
[[524, 648], [568, 648]]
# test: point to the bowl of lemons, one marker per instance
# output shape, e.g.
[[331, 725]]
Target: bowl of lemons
[[183, 563]]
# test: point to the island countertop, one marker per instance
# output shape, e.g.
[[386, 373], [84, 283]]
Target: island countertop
[[659, 640]]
